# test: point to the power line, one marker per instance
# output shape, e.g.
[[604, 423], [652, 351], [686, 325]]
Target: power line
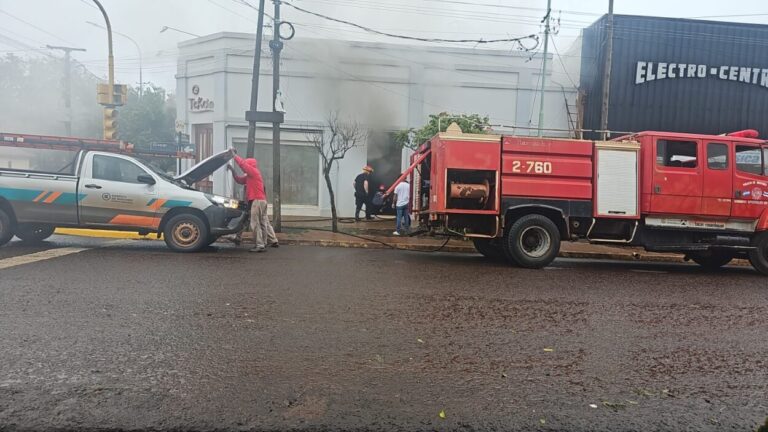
[[517, 40], [431, 12], [246, 4], [34, 26], [565, 69]]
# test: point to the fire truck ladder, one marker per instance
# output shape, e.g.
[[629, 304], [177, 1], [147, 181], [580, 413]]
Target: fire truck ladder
[[74, 144]]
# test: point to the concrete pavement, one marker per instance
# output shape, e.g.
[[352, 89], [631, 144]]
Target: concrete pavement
[[128, 335], [377, 234]]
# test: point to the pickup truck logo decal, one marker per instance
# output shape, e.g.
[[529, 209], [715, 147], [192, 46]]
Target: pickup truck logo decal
[[38, 196], [156, 204]]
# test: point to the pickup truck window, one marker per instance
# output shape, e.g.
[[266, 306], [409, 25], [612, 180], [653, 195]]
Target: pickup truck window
[[115, 169], [749, 159], [676, 154]]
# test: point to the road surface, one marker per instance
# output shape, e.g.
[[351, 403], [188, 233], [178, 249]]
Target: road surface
[[116, 334]]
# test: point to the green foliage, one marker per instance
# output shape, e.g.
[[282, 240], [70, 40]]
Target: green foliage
[[469, 123], [149, 119]]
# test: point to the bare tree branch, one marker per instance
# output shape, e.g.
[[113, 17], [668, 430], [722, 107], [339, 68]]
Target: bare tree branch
[[332, 143]]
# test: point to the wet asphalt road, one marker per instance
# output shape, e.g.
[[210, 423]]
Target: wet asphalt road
[[127, 335]]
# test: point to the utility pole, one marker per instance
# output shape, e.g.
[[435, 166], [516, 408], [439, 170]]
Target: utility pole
[[607, 73], [138, 48], [255, 83], [274, 116], [67, 84], [276, 45], [108, 97], [544, 66]]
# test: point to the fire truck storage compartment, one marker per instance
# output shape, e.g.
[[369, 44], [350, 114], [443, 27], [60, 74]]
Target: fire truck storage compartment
[[546, 168], [471, 189], [617, 179]]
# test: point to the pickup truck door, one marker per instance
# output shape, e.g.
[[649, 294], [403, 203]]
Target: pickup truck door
[[750, 184], [114, 195]]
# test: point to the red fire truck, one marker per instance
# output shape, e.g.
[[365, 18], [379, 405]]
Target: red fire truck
[[518, 197]]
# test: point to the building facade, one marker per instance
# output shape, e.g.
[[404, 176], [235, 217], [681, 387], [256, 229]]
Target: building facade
[[677, 75], [384, 87]]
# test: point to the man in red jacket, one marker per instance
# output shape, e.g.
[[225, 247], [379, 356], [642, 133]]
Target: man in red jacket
[[263, 233]]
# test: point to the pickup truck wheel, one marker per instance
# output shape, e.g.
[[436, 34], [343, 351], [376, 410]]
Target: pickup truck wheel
[[759, 256], [533, 241], [6, 228], [185, 233], [34, 233], [711, 260], [489, 248]]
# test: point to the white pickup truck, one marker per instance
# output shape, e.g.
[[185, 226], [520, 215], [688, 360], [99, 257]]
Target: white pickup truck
[[111, 191]]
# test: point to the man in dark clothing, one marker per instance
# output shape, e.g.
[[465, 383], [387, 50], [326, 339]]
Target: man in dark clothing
[[378, 200], [362, 195]]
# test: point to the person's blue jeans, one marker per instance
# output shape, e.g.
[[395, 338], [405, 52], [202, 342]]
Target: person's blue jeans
[[403, 218]]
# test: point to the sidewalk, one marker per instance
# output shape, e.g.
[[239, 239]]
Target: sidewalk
[[378, 235]]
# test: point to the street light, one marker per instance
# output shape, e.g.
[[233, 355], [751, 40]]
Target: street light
[[162, 30], [141, 76]]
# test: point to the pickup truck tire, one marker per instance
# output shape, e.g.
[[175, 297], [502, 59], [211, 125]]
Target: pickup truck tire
[[186, 233], [6, 228], [533, 241], [759, 256], [712, 260], [489, 248], [34, 233]]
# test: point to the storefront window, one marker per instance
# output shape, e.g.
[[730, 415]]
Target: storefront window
[[299, 172]]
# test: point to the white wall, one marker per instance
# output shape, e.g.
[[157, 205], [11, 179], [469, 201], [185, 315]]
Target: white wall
[[384, 87]]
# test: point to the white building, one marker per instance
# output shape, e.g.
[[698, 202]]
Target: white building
[[386, 87]]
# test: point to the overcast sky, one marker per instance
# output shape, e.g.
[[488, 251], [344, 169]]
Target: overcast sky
[[26, 25]]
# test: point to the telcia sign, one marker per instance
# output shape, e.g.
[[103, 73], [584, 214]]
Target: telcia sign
[[652, 71]]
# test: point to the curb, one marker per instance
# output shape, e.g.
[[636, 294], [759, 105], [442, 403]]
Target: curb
[[465, 249], [104, 234], [471, 250]]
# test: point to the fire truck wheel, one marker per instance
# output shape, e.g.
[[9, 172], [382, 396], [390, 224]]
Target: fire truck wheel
[[34, 233], [489, 248], [759, 256], [711, 260], [533, 241], [6, 228]]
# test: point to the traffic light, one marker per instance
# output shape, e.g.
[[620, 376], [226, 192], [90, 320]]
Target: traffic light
[[119, 94], [110, 123], [116, 96], [103, 94]]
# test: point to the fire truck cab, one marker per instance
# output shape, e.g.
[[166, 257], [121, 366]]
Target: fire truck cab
[[517, 198]]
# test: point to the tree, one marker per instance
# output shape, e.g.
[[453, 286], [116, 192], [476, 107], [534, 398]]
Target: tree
[[149, 120], [332, 143], [469, 123]]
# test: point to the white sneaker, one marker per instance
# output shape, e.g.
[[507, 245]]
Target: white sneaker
[[396, 233]]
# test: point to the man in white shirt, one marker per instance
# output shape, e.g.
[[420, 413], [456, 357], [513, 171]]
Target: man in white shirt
[[401, 201]]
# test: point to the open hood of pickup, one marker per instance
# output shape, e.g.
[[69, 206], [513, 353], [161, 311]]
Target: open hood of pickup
[[205, 168]]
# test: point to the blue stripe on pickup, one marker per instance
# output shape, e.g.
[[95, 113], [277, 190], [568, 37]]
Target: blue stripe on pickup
[[19, 194], [177, 203], [66, 198]]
